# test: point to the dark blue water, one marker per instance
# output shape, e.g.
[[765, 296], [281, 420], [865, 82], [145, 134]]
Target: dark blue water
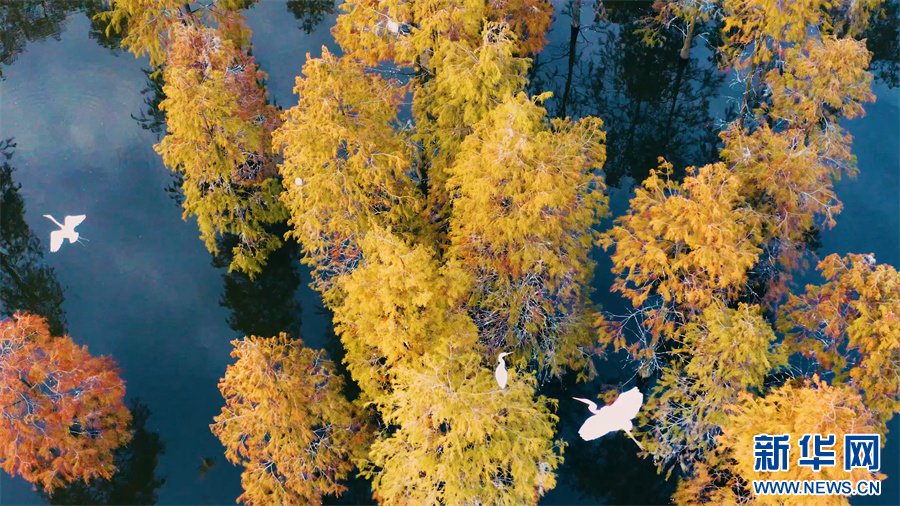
[[145, 290]]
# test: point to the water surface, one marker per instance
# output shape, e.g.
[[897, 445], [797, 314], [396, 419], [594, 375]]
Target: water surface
[[145, 290]]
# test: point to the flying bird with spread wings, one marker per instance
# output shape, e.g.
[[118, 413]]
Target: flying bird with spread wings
[[66, 231], [614, 417]]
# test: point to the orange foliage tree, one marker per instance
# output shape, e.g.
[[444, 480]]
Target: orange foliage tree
[[760, 34], [690, 256], [793, 153], [63, 413]]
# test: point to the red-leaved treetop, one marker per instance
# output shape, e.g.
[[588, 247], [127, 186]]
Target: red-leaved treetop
[[63, 413]]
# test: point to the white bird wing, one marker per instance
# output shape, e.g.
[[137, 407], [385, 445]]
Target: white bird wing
[[73, 221], [600, 424], [56, 240], [501, 375], [628, 404]]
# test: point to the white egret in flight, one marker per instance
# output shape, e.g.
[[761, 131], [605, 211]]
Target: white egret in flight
[[614, 417], [500, 373], [66, 231]]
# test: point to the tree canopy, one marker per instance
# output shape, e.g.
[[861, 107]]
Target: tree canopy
[[448, 217], [63, 413], [218, 134], [286, 422]]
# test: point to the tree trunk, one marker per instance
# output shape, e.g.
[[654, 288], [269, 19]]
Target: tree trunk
[[676, 89], [573, 40], [688, 38], [745, 101]]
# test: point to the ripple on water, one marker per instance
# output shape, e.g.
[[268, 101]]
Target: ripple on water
[[61, 115]]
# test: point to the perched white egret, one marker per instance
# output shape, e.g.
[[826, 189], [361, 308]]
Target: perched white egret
[[616, 416], [298, 181], [66, 231], [500, 373], [393, 27]]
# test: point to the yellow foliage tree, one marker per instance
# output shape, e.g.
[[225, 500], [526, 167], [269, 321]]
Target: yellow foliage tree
[[346, 169], [789, 181], [686, 245], [393, 306], [769, 26], [467, 84], [370, 201], [411, 32], [529, 20], [718, 355], [790, 167], [286, 421], [774, 29], [850, 18], [460, 439], [773, 190], [851, 326], [219, 135], [821, 81], [691, 13], [146, 25], [525, 199], [812, 408]]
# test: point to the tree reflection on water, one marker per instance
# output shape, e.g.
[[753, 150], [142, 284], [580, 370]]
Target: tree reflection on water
[[310, 12], [135, 482], [27, 283], [266, 304], [651, 101]]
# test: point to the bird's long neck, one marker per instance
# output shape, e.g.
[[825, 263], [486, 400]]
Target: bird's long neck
[[58, 224]]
